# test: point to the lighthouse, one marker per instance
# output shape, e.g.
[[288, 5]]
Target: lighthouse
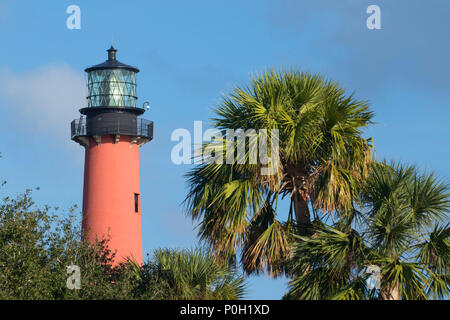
[[111, 131]]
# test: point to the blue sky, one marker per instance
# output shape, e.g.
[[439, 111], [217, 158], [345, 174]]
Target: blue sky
[[192, 52]]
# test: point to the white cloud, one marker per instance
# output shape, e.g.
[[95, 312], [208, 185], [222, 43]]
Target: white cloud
[[44, 100]]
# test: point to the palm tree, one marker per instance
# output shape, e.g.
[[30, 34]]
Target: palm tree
[[321, 155], [398, 230], [193, 275]]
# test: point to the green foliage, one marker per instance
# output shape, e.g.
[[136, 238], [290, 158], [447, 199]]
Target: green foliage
[[399, 229], [37, 246], [193, 275], [388, 215], [322, 156]]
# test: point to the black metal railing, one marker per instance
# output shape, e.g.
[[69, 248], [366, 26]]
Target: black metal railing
[[78, 128], [142, 128]]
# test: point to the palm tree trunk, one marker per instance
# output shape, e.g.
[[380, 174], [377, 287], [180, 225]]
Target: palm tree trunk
[[302, 215], [390, 293]]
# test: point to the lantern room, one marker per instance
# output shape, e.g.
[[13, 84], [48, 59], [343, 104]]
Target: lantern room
[[112, 84]]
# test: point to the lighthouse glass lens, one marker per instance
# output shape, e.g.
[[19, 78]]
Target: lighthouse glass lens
[[112, 88]]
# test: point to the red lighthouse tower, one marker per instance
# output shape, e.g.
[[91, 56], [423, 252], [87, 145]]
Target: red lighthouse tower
[[112, 132]]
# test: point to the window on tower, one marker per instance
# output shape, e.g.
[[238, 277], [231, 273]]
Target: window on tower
[[136, 202]]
